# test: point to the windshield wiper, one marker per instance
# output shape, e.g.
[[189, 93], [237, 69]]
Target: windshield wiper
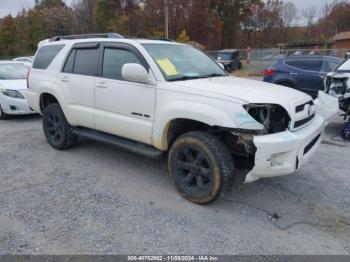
[[183, 78], [212, 75]]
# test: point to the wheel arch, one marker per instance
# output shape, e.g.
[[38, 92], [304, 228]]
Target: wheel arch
[[181, 117], [46, 99]]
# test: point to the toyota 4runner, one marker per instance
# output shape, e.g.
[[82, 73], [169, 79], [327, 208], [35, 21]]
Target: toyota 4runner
[[160, 98]]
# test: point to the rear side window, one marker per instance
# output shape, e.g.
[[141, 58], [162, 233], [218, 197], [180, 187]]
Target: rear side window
[[114, 60], [308, 65], [86, 61], [45, 56], [68, 67]]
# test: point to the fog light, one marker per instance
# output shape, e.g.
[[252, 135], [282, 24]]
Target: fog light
[[278, 159]]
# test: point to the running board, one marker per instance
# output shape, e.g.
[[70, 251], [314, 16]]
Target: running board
[[126, 144]]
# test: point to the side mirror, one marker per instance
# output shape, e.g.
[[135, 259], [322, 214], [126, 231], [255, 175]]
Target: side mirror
[[221, 65], [135, 73]]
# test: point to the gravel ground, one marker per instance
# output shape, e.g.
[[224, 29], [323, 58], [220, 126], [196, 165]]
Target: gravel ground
[[95, 199]]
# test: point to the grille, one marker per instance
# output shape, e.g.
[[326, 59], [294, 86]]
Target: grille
[[301, 108], [303, 121]]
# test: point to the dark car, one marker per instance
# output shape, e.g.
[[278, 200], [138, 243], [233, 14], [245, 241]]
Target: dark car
[[303, 72], [230, 59]]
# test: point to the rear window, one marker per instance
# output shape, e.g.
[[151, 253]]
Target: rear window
[[308, 65], [45, 56]]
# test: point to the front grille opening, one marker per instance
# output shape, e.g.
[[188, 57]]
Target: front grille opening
[[311, 144], [303, 121], [301, 108]]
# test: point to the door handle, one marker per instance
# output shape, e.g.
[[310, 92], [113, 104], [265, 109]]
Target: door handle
[[101, 85], [65, 79], [293, 74]]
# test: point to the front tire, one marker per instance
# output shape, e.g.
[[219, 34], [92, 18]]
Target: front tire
[[201, 167], [56, 128]]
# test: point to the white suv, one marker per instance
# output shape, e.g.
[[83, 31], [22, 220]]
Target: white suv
[[156, 97]]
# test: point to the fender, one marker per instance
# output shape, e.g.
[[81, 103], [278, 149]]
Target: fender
[[207, 114], [50, 88]]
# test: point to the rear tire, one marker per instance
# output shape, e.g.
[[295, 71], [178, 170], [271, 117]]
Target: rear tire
[[3, 116], [201, 167], [56, 128]]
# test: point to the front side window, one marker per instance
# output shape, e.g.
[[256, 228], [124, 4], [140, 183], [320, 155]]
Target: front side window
[[12, 71], [182, 62], [46, 55], [113, 61], [86, 61]]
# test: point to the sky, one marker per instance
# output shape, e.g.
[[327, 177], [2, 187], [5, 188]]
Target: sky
[[14, 6]]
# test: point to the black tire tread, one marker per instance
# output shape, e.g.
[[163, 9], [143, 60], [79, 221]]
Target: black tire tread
[[222, 156], [70, 139]]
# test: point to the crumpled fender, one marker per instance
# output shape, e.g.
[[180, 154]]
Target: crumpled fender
[[327, 106]]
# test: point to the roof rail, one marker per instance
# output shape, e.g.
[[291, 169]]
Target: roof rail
[[83, 36], [163, 39]]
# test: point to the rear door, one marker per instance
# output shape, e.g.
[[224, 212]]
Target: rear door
[[307, 74], [78, 83]]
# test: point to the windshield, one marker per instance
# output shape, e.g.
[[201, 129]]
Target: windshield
[[225, 56], [344, 67], [181, 62], [11, 71]]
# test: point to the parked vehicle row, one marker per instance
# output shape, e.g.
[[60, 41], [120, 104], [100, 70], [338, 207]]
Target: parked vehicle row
[[157, 97]]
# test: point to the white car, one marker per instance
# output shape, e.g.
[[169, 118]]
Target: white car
[[26, 59], [163, 98], [337, 84], [13, 85]]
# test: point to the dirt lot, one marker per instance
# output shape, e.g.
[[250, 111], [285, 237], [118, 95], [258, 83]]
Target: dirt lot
[[95, 199]]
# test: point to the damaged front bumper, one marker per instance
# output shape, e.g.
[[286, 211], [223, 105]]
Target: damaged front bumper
[[283, 153]]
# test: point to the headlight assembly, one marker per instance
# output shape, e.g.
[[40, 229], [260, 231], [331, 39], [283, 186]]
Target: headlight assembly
[[273, 117], [12, 93]]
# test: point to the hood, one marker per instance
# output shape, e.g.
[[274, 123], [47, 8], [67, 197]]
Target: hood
[[251, 91], [16, 84]]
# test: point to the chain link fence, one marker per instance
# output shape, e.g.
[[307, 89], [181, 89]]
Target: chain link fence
[[260, 59]]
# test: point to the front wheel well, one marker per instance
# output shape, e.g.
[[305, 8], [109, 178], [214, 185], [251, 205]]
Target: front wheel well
[[47, 99], [181, 126]]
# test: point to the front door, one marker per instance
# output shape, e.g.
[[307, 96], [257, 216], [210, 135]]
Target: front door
[[123, 108]]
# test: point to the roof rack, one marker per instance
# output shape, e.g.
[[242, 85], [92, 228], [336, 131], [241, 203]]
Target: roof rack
[[163, 39], [83, 36]]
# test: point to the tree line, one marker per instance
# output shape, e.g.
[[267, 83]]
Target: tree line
[[212, 24]]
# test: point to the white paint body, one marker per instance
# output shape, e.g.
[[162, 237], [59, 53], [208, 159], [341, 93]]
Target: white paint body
[[14, 106], [106, 105]]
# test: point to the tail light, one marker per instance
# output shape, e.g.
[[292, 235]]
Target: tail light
[[269, 72], [27, 78]]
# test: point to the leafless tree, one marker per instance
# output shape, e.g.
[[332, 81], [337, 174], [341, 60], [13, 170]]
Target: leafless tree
[[309, 15], [288, 14]]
